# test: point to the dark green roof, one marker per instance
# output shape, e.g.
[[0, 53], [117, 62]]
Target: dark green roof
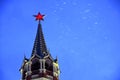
[[39, 47]]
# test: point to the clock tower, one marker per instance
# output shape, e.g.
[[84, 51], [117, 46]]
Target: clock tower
[[41, 65]]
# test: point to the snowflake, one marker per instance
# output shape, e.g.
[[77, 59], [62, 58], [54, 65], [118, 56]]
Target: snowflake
[[87, 10], [88, 28], [89, 4], [84, 17], [61, 8], [96, 23], [64, 3], [105, 38], [54, 11], [74, 3]]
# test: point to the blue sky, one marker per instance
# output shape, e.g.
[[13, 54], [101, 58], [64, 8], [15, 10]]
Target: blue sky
[[84, 34]]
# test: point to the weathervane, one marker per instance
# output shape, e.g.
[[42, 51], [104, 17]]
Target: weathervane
[[39, 17]]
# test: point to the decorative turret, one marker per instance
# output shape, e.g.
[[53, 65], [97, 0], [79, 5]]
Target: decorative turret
[[41, 65]]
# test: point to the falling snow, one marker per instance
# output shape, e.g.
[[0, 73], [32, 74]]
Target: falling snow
[[84, 34]]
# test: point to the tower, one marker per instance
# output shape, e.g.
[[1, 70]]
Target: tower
[[41, 65]]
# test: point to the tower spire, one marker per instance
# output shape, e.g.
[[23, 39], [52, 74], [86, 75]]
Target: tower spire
[[39, 47], [41, 65]]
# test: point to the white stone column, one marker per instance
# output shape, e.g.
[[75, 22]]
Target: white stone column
[[29, 66], [44, 70], [40, 60], [43, 63]]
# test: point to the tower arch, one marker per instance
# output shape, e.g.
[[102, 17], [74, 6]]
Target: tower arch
[[35, 64]]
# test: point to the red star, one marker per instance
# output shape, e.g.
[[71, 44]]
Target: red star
[[39, 16]]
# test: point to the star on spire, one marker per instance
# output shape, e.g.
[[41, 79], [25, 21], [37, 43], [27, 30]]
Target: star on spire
[[39, 17]]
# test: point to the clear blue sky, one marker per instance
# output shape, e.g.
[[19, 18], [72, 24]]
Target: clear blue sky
[[84, 34]]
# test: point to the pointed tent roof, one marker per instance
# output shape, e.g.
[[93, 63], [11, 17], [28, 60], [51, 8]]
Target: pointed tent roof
[[39, 47]]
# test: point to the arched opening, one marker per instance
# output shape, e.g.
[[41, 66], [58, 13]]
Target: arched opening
[[48, 65], [35, 65]]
